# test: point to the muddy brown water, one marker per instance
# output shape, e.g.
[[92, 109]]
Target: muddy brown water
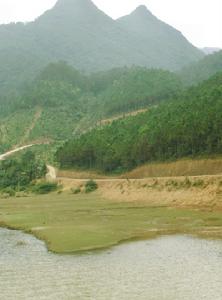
[[168, 268]]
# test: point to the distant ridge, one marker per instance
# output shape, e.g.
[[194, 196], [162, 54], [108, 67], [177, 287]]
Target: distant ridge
[[167, 45], [210, 50], [203, 69], [78, 32]]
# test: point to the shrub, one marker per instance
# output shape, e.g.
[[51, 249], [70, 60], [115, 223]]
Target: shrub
[[186, 183], [45, 187], [9, 191], [90, 186], [198, 183], [173, 183], [21, 194], [76, 191]]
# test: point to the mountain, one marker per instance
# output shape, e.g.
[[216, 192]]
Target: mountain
[[187, 126], [78, 32], [210, 50], [202, 70], [166, 46]]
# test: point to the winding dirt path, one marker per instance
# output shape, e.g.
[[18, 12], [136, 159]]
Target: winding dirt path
[[32, 126], [9, 153]]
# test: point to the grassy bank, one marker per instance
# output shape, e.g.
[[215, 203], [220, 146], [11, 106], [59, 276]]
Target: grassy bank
[[70, 223]]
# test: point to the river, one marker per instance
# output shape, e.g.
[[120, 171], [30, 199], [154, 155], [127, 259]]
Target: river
[[167, 268]]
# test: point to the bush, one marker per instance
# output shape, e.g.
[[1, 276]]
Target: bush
[[186, 183], [9, 191], [90, 186], [198, 183], [76, 191], [45, 187], [21, 194]]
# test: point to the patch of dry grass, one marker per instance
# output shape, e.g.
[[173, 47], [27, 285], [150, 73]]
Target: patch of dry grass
[[186, 167]]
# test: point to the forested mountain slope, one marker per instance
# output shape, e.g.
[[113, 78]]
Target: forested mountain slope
[[76, 31], [137, 88], [190, 125], [166, 46], [202, 70], [62, 102]]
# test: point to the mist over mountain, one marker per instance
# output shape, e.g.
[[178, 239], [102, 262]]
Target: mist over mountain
[[166, 46], [203, 69], [210, 50], [78, 32]]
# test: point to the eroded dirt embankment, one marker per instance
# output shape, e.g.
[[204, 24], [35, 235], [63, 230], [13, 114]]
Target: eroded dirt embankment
[[203, 192], [183, 183]]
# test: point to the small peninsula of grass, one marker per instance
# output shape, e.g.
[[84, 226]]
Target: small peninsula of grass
[[69, 223]]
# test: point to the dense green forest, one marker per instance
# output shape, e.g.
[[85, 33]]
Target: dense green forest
[[18, 173], [138, 88], [202, 70], [189, 125], [62, 102], [78, 32]]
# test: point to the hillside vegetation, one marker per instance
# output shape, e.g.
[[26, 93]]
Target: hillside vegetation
[[202, 70], [13, 127], [190, 125], [62, 102], [138, 88], [17, 174]]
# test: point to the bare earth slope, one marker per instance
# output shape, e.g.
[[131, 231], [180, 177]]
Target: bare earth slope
[[185, 183]]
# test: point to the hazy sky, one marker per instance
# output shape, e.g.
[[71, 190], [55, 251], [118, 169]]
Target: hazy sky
[[199, 20]]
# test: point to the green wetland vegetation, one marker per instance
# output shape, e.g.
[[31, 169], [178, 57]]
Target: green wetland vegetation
[[71, 223]]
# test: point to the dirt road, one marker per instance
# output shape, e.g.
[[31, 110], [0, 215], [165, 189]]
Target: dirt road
[[51, 175], [9, 153]]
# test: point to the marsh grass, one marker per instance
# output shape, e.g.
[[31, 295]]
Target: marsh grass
[[78, 222]]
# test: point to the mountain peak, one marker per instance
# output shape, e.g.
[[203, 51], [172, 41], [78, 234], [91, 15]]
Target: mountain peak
[[74, 4], [73, 11], [142, 10]]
